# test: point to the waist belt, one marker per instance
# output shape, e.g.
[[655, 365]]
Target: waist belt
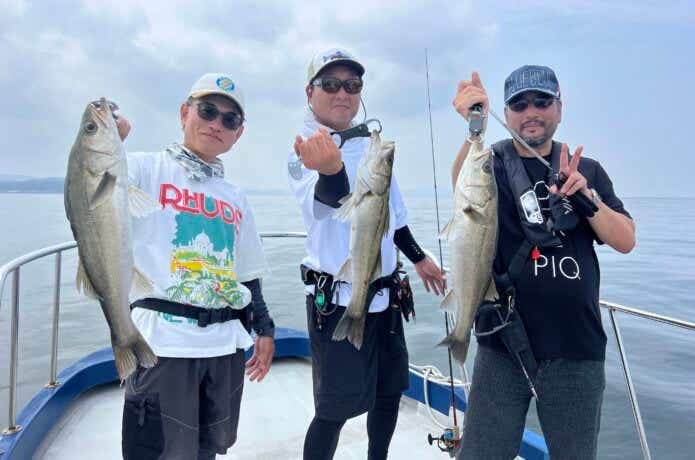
[[204, 316], [311, 277], [325, 282]]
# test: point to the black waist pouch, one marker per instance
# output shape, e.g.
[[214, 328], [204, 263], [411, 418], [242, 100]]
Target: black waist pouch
[[495, 318], [401, 296]]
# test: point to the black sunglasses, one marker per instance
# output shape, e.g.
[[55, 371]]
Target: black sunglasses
[[520, 105], [209, 112], [332, 85]]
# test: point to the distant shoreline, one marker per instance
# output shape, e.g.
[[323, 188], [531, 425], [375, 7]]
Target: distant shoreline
[[55, 185]]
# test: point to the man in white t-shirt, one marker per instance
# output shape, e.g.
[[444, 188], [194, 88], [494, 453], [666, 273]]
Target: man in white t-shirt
[[348, 382], [204, 257]]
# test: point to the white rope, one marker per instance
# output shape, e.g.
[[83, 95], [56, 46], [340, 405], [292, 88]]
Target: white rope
[[431, 373]]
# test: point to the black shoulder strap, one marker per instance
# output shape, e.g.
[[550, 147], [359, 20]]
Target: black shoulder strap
[[535, 231], [505, 281]]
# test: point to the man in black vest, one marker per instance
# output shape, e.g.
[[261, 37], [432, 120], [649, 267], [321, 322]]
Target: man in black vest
[[555, 281]]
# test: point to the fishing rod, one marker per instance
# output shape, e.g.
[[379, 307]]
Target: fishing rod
[[450, 439]]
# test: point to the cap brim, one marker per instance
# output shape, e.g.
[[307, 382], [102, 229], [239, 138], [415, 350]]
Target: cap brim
[[347, 62], [221, 93], [526, 90]]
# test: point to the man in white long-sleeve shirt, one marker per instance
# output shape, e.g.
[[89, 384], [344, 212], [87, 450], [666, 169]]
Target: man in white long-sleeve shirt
[[347, 382]]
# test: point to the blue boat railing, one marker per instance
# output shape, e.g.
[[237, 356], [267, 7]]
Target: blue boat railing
[[13, 268]]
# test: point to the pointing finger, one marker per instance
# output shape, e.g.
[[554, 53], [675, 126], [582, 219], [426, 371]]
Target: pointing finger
[[564, 160], [475, 80], [575, 158]]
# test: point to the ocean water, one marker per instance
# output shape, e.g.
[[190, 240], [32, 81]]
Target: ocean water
[[657, 276]]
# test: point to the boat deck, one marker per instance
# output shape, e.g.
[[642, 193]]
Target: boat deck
[[274, 418]]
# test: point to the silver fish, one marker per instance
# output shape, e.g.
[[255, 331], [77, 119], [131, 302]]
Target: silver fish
[[472, 238], [368, 209], [98, 204]]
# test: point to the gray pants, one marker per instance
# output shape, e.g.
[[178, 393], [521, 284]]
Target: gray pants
[[569, 407], [183, 408]]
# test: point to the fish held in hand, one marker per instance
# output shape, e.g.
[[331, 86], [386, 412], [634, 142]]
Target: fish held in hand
[[472, 239], [99, 203], [367, 208]]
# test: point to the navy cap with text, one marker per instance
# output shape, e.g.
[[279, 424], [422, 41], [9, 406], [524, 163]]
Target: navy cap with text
[[531, 78]]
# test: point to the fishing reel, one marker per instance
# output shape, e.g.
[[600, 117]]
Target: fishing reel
[[448, 442]]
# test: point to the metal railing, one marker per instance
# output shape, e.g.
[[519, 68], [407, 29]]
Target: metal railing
[[13, 267], [612, 308]]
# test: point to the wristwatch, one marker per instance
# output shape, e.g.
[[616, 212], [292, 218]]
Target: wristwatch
[[595, 197]]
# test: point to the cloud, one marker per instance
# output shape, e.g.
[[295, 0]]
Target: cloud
[[58, 56]]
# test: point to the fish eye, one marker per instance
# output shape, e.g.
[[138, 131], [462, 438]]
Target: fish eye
[[90, 127], [487, 166]]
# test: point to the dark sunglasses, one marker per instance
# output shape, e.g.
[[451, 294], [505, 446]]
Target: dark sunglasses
[[520, 105], [332, 85], [209, 112]]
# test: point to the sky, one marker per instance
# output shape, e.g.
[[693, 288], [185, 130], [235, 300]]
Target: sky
[[626, 70]]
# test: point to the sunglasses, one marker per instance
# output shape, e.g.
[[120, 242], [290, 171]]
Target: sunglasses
[[520, 105], [209, 112], [332, 85]]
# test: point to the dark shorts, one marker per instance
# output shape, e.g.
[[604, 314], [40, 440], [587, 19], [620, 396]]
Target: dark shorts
[[181, 405], [346, 380]]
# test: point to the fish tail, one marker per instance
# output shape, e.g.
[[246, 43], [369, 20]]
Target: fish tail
[[145, 355], [458, 347], [351, 329], [129, 355]]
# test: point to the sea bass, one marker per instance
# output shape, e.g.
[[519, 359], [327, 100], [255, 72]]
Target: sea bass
[[472, 238], [368, 209], [98, 204]]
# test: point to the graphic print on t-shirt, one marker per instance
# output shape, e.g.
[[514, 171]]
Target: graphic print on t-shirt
[[202, 260]]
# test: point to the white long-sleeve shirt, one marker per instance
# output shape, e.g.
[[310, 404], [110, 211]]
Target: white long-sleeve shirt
[[328, 239]]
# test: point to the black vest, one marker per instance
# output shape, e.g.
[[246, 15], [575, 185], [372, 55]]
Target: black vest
[[532, 222]]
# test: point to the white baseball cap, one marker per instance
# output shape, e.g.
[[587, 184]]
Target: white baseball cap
[[331, 57], [218, 83]]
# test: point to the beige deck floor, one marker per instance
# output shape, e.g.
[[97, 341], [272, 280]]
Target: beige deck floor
[[274, 418]]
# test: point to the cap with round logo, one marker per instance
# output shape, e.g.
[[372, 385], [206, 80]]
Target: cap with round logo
[[218, 83]]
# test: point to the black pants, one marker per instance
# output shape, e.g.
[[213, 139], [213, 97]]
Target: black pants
[[348, 382]]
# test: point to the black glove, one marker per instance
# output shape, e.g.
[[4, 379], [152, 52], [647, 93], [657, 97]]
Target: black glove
[[564, 217], [580, 202]]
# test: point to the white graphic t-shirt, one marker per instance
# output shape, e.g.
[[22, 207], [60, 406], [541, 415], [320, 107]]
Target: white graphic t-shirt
[[196, 250]]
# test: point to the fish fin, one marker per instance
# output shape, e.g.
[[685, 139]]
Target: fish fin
[[345, 272], [128, 356], [387, 221], [141, 283], [104, 190], [345, 210], [141, 204], [376, 273], [449, 302], [458, 347], [444, 234], [491, 293], [145, 355], [84, 285], [351, 329]]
